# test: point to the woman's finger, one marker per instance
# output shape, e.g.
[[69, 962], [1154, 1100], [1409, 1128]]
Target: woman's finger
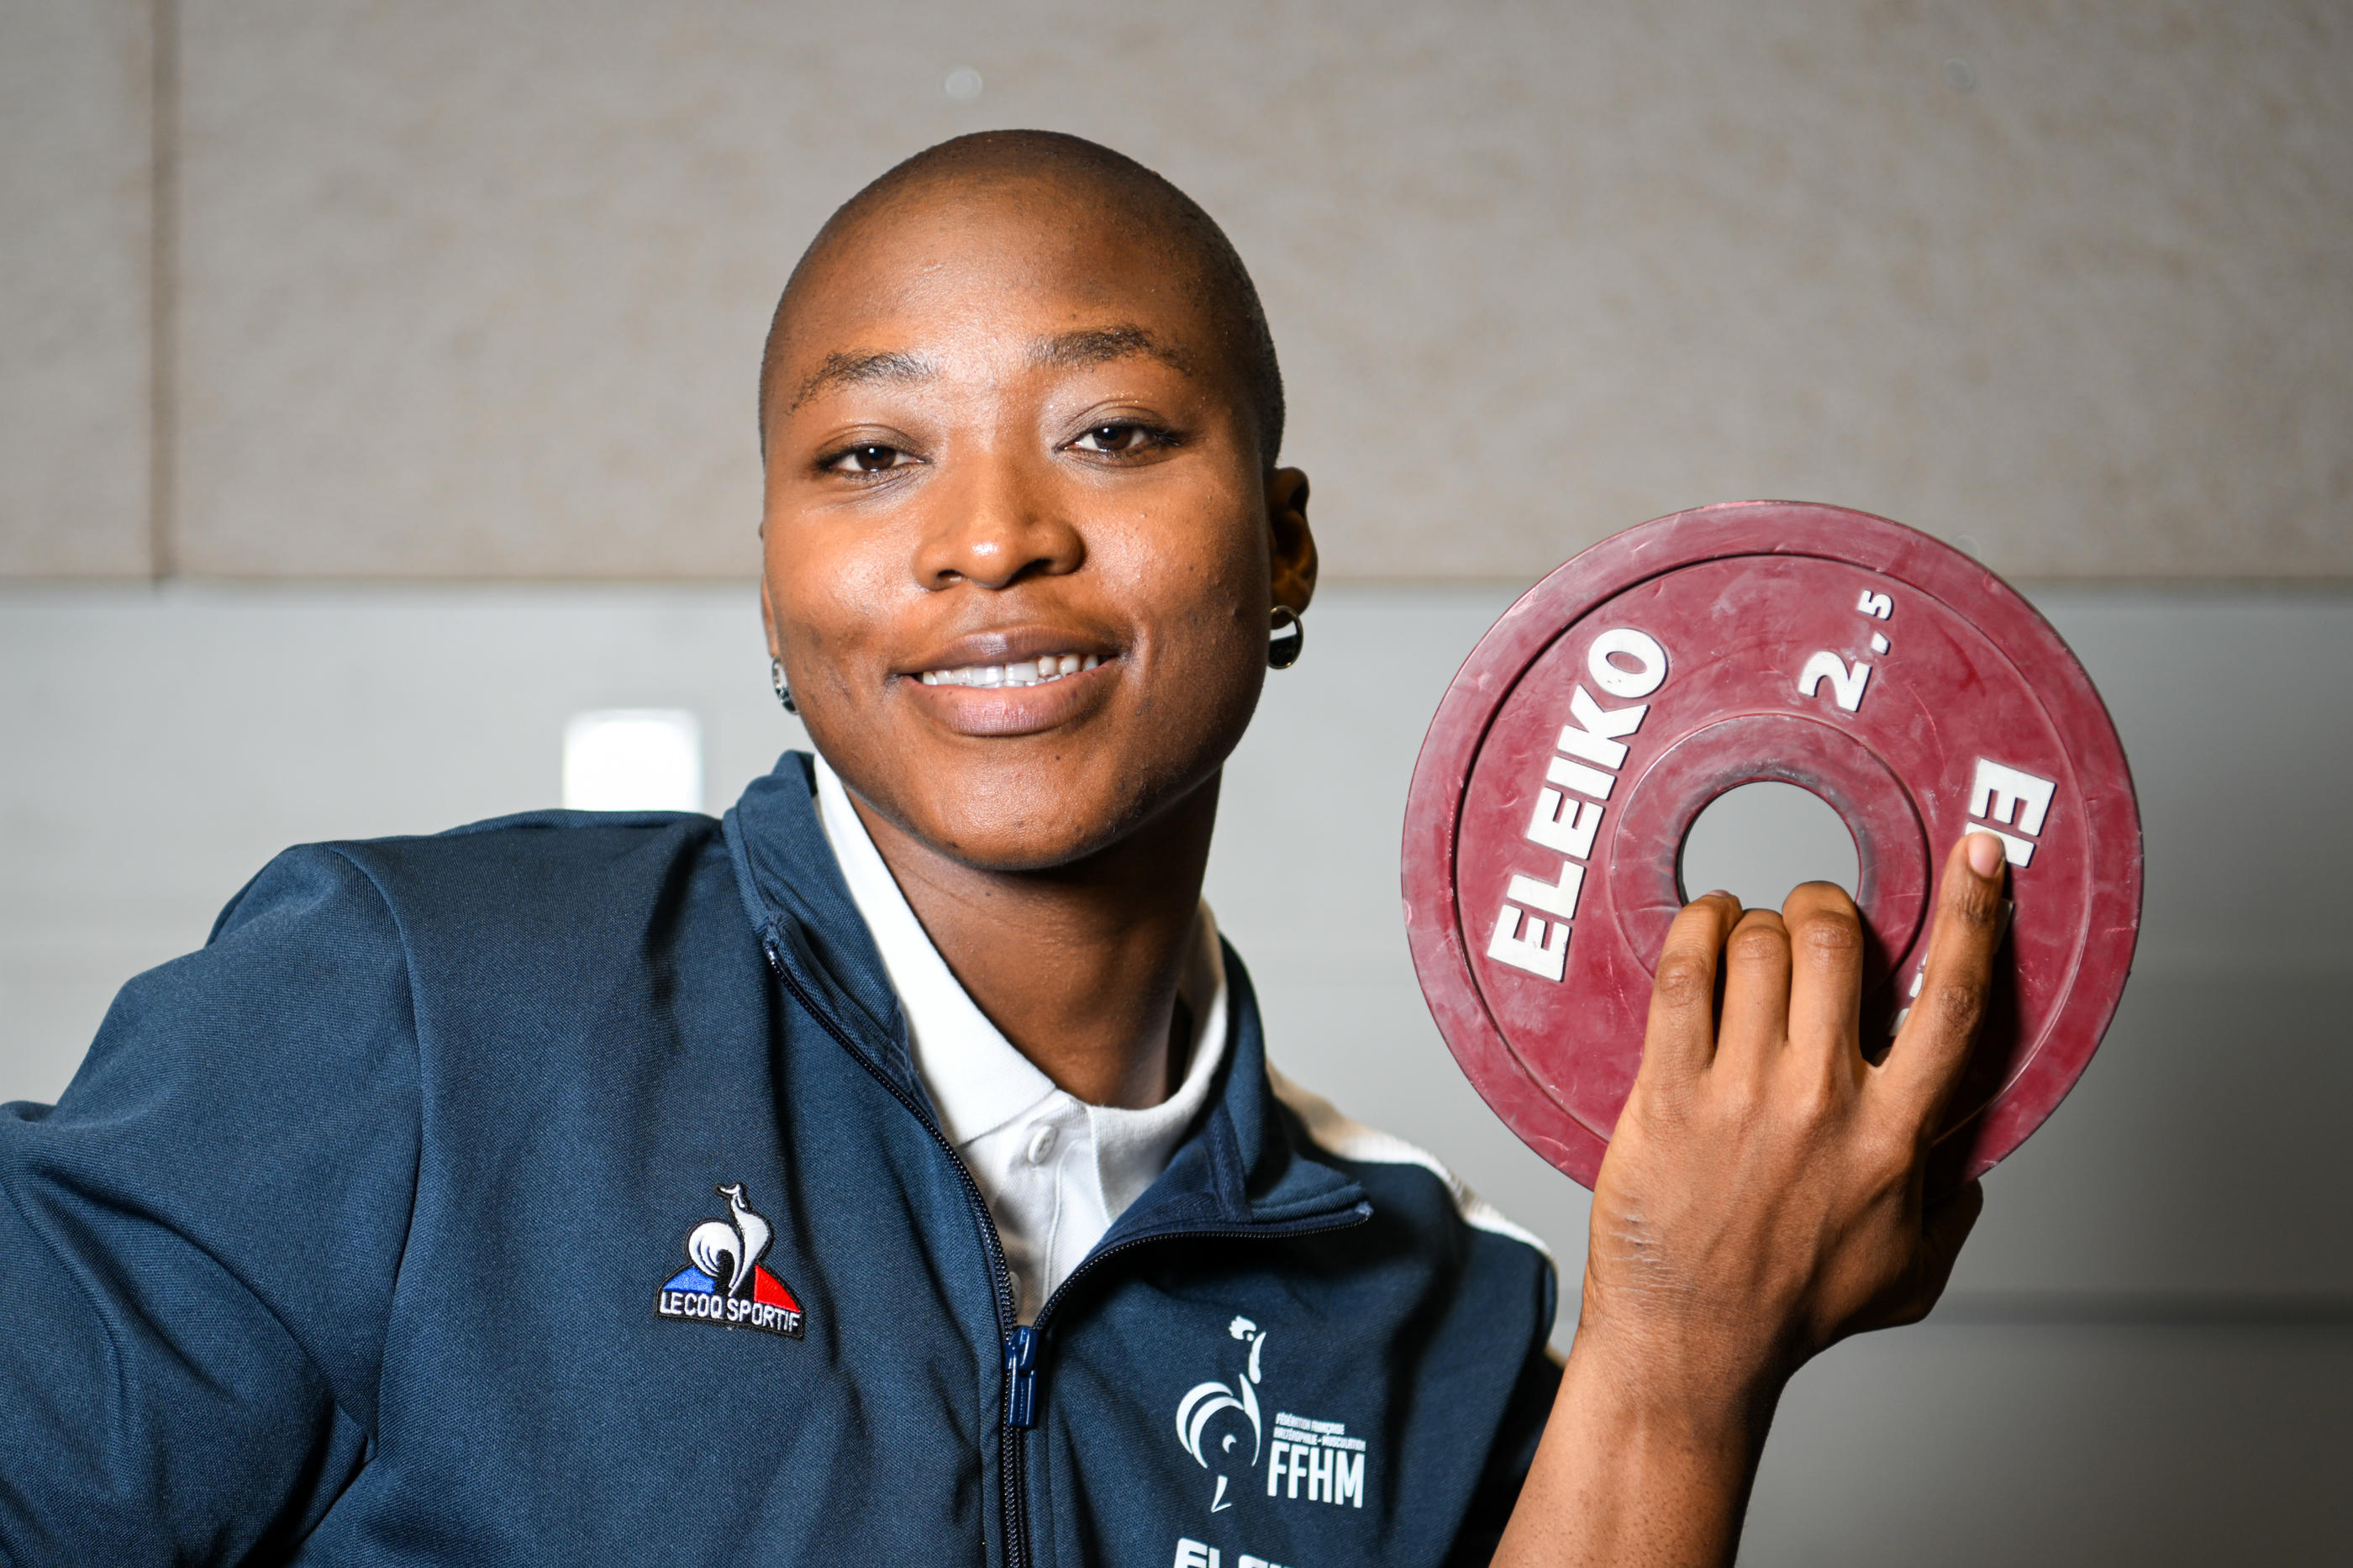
[[1943, 1228], [1826, 953], [1681, 1039], [1755, 992], [1928, 1055]]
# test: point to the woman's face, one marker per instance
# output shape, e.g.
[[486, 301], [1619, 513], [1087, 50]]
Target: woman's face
[[1020, 543]]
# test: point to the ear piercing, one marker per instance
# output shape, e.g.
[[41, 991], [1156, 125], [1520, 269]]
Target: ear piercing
[[783, 692], [1285, 638]]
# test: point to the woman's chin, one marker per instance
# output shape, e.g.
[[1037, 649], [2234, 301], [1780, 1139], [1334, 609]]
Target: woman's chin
[[1029, 841], [1031, 818]]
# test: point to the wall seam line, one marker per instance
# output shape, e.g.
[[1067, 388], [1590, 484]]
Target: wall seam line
[[162, 289]]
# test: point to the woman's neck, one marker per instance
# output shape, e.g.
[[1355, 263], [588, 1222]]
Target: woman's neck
[[1079, 964]]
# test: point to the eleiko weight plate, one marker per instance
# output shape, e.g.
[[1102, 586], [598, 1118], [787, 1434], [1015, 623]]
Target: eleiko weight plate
[[1888, 673]]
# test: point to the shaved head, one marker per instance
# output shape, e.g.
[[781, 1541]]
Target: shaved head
[[1112, 190]]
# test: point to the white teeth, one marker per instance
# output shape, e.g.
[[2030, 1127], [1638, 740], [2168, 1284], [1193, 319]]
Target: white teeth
[[1030, 673], [1045, 668]]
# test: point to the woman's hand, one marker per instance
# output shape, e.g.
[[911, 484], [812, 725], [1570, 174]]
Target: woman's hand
[[1764, 1194]]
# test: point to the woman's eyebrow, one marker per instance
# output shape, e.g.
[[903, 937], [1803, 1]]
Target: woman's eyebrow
[[858, 369], [1099, 345], [1086, 346]]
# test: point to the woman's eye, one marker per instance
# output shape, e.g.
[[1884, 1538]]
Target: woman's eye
[[1118, 439], [870, 458]]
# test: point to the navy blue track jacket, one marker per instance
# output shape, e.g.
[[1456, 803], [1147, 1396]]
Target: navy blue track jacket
[[509, 1196]]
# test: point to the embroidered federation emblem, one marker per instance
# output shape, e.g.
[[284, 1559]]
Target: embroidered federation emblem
[[1205, 1400], [1298, 1451], [723, 1282]]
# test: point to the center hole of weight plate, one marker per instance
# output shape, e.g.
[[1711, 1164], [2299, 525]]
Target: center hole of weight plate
[[1759, 840]]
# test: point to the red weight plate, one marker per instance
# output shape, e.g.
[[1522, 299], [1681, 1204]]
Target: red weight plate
[[1888, 673]]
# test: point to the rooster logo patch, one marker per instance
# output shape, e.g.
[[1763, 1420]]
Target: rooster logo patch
[[723, 1282]]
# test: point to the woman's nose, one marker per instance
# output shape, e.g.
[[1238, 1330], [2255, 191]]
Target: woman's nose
[[1001, 522]]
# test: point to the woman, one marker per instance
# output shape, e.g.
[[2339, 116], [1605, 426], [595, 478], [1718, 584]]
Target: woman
[[409, 1220]]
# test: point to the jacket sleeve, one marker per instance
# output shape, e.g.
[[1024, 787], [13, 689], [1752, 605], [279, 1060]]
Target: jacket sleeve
[[1508, 1459], [198, 1243]]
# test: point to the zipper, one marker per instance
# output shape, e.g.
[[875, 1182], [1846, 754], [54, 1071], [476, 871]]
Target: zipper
[[1025, 1347], [1012, 1522], [1023, 1343]]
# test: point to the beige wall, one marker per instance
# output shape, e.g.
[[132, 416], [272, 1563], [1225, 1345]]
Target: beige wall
[[477, 290], [76, 202]]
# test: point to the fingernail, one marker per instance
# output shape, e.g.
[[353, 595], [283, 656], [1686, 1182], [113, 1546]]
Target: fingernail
[[1984, 854]]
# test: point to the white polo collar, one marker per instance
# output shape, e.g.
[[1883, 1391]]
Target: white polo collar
[[994, 1103]]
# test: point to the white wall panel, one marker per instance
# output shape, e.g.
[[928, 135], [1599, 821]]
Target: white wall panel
[[2144, 1358], [162, 744], [2062, 1447]]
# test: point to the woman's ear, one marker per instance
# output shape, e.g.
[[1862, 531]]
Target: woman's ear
[[1291, 548], [768, 619]]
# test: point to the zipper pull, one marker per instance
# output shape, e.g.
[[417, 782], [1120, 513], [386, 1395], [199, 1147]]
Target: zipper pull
[[1021, 1373]]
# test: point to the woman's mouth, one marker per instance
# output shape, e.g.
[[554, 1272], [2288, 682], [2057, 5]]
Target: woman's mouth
[[1046, 668]]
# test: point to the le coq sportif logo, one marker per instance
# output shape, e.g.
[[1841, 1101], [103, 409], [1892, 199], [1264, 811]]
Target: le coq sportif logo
[[724, 1283]]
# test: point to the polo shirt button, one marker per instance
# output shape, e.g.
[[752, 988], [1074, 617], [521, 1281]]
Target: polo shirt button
[[1041, 1143]]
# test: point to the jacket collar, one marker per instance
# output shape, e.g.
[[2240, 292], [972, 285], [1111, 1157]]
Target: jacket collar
[[1244, 1165]]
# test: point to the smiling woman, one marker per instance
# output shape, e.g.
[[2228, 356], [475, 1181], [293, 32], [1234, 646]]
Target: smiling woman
[[1011, 442], [363, 1227]]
